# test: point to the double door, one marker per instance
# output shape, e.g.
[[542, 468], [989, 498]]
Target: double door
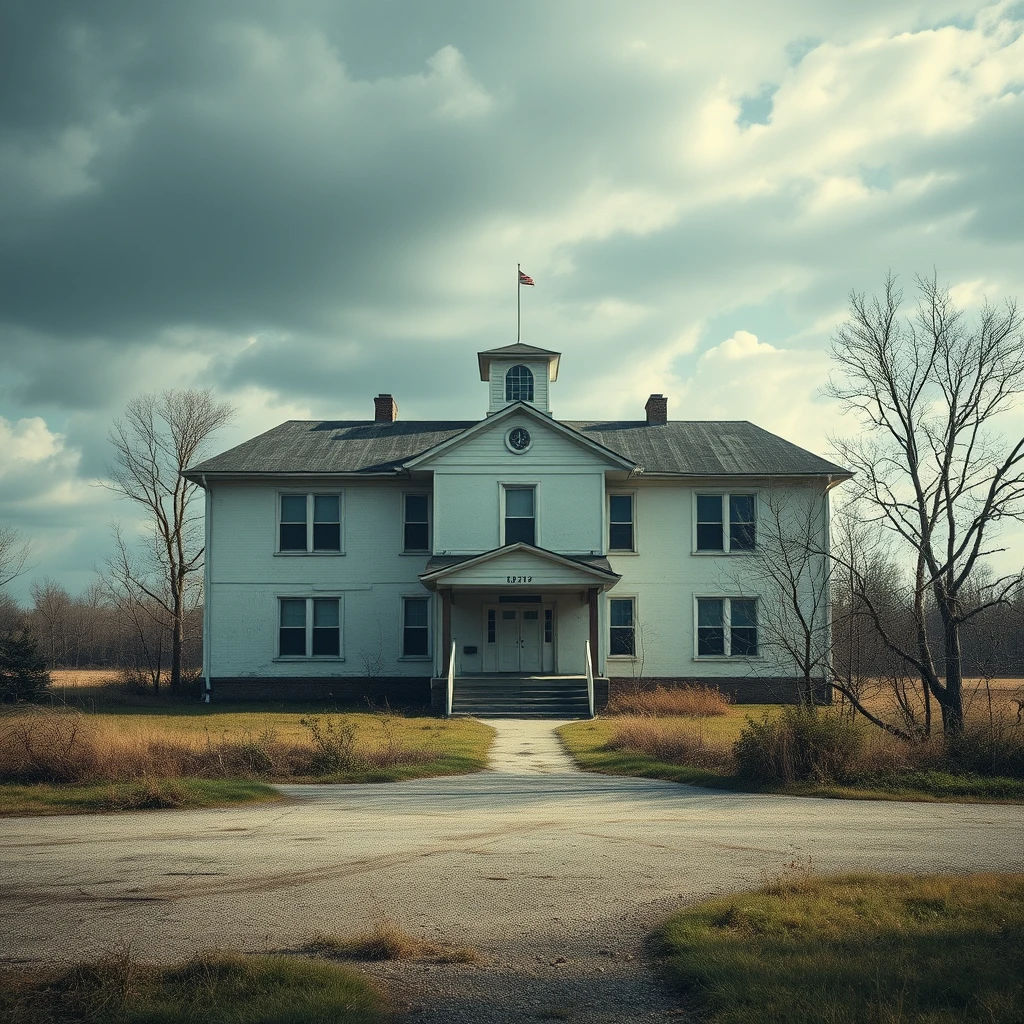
[[520, 640]]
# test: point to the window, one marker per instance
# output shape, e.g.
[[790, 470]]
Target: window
[[520, 521], [549, 625], [519, 384], [726, 627], [310, 522], [623, 632], [714, 511], [415, 627], [309, 627], [417, 523], [492, 627], [620, 522]]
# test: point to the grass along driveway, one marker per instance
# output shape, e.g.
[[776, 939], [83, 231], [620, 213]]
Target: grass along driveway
[[861, 949], [67, 761], [699, 751]]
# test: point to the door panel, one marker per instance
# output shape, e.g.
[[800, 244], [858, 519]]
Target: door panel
[[508, 640], [530, 638]]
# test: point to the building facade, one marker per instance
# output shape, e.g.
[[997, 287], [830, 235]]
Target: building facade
[[353, 559]]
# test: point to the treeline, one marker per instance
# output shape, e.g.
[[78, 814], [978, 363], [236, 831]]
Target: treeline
[[95, 629]]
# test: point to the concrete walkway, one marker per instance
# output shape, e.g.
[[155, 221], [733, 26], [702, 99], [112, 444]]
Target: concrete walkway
[[554, 875]]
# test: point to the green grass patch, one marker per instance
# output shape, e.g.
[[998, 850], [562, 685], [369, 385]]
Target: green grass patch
[[208, 989], [856, 949], [589, 744], [149, 794]]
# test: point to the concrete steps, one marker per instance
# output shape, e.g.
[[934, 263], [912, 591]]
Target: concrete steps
[[521, 697]]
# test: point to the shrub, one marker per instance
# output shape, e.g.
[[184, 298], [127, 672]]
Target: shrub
[[690, 700], [802, 744], [673, 742], [23, 675], [988, 748]]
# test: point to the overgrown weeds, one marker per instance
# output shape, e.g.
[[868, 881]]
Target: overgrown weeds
[[386, 940], [61, 746], [214, 988], [690, 701], [672, 741]]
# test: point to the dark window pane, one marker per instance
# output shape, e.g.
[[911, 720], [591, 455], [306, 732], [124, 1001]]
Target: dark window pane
[[741, 537], [415, 508], [709, 508], [710, 612], [293, 641], [517, 530], [744, 613], [325, 642], [519, 501], [325, 612], [620, 508], [519, 384], [491, 626], [710, 640], [414, 642], [417, 537], [293, 508], [622, 640], [293, 536], [326, 508], [326, 537], [620, 537], [741, 508], [549, 626], [416, 612], [744, 642], [709, 537], [621, 612], [293, 612]]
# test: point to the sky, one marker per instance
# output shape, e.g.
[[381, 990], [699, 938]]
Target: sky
[[301, 204]]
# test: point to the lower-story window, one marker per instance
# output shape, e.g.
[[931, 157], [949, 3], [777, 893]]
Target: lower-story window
[[415, 627], [622, 630], [309, 627], [726, 627]]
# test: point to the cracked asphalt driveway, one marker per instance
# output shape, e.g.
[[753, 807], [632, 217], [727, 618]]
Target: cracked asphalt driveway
[[550, 872]]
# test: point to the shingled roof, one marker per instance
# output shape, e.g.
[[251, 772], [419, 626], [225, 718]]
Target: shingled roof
[[680, 448]]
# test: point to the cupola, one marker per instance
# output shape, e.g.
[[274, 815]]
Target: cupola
[[518, 373]]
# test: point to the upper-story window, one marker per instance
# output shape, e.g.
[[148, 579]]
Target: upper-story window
[[726, 522], [310, 522], [416, 527], [520, 515], [519, 384], [620, 522]]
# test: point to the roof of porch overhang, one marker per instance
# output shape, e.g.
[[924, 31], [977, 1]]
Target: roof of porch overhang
[[540, 567]]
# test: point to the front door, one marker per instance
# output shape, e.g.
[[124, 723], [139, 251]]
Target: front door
[[520, 641]]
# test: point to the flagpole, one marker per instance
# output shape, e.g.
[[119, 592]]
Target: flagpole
[[519, 292]]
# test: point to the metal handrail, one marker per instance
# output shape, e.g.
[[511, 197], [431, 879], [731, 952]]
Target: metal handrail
[[590, 680], [451, 681]]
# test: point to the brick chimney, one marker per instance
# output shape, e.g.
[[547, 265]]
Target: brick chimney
[[385, 409], [657, 409]]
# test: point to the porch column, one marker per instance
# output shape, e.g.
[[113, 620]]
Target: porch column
[[446, 625], [595, 650]]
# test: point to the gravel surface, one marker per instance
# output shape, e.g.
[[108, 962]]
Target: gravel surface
[[555, 876]]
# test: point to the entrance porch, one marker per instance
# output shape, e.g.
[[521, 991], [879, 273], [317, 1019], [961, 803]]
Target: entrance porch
[[515, 626]]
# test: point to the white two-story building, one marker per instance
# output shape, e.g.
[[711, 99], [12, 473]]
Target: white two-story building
[[355, 559]]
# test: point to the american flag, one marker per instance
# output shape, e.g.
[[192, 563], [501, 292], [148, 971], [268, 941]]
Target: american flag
[[523, 279]]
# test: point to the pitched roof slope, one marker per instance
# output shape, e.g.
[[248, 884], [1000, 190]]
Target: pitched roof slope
[[333, 446], [706, 448], [681, 447]]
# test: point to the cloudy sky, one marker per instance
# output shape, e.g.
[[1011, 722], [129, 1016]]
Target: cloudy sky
[[304, 203]]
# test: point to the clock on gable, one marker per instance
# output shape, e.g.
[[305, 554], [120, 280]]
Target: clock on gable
[[518, 440]]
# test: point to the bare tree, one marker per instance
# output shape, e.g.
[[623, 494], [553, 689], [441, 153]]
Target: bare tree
[[930, 468], [14, 551], [160, 435]]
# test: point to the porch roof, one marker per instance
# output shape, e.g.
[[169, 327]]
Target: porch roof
[[560, 570]]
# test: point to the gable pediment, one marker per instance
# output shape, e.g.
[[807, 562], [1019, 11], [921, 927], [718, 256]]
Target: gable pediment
[[550, 444], [518, 564]]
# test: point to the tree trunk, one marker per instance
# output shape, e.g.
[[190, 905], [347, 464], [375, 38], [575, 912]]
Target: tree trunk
[[952, 703]]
